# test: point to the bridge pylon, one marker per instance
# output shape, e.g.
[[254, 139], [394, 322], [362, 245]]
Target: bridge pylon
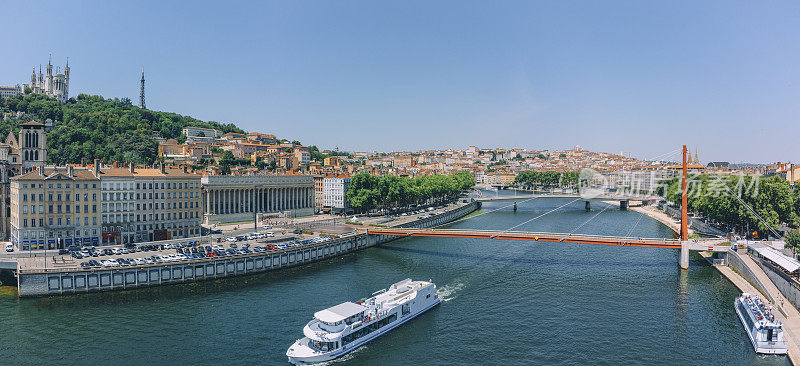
[[684, 258]]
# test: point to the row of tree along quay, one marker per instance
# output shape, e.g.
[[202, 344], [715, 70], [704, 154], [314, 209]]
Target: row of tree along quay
[[388, 192], [530, 179], [721, 199]]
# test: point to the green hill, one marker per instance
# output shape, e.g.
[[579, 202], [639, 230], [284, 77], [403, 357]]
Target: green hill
[[93, 127]]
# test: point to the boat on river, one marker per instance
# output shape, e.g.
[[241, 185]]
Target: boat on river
[[338, 330], [765, 333]]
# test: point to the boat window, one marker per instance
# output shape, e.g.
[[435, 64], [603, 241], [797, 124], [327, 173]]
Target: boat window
[[769, 335], [428, 296]]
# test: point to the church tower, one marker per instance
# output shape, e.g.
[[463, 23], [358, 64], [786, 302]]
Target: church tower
[[32, 145], [33, 80], [48, 82], [66, 82]]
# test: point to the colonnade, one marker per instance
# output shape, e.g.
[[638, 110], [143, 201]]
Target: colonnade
[[220, 201]]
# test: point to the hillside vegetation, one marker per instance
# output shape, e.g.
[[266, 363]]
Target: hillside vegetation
[[92, 127]]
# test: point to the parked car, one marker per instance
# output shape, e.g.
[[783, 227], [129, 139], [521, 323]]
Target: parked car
[[94, 263]]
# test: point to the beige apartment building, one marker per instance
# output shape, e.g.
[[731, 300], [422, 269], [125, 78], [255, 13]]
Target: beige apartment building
[[54, 207]]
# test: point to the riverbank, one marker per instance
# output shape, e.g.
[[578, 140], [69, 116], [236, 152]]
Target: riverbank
[[787, 314]]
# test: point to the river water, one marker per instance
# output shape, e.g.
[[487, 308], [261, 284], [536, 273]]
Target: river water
[[505, 302]]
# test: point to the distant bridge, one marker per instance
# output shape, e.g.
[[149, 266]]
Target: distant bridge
[[604, 197], [709, 245]]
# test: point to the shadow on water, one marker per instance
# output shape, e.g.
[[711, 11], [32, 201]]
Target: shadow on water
[[538, 261]]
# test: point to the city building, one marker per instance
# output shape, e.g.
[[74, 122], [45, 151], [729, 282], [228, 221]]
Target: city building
[[334, 193], [236, 198], [10, 91], [54, 207], [198, 134], [302, 156], [168, 203], [56, 86], [117, 205], [319, 191]]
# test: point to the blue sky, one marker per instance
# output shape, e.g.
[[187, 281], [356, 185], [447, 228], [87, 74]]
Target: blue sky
[[637, 76]]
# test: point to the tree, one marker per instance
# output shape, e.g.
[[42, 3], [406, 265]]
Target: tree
[[181, 139], [792, 239]]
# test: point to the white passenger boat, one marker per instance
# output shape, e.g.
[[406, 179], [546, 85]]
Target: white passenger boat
[[336, 331], [766, 333]]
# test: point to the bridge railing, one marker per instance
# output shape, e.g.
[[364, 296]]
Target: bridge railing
[[565, 236]]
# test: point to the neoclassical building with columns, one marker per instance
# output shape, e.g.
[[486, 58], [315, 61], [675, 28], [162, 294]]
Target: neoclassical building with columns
[[234, 198]]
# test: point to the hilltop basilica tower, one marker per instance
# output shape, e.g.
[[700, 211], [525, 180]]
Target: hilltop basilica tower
[[53, 85]]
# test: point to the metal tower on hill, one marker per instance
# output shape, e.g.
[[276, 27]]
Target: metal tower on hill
[[141, 93]]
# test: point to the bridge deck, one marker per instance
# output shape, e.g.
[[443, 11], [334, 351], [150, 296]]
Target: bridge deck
[[706, 245], [489, 198]]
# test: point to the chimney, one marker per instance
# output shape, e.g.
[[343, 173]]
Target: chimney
[[185, 169], [131, 167], [163, 169], [96, 167], [69, 171], [41, 170], [116, 164]]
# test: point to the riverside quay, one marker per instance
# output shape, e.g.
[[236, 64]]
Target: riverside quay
[[232, 198]]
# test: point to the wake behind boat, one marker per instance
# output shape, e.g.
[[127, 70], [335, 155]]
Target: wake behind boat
[[336, 331]]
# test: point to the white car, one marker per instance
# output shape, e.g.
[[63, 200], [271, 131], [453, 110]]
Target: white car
[[113, 263], [269, 234], [9, 247], [232, 238]]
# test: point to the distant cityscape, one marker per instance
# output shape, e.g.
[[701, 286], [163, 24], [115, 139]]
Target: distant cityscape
[[206, 176]]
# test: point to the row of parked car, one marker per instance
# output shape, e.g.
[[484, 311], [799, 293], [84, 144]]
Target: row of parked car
[[198, 252], [183, 255], [250, 236], [91, 251], [421, 211]]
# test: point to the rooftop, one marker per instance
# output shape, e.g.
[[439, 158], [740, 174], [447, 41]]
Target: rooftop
[[339, 312]]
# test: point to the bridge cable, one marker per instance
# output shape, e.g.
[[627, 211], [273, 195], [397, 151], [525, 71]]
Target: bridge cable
[[641, 215], [525, 222], [585, 222], [483, 213]]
